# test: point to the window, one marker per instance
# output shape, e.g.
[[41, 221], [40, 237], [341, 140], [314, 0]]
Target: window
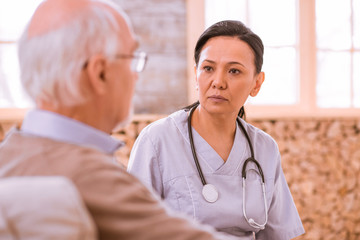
[[14, 15], [312, 53], [279, 38], [338, 45]]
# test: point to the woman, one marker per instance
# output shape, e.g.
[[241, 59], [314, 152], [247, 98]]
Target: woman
[[201, 170]]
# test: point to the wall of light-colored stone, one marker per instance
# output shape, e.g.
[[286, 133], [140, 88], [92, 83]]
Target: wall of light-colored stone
[[321, 161]]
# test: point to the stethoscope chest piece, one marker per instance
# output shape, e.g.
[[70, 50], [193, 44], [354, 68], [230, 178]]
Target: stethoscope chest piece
[[210, 193]]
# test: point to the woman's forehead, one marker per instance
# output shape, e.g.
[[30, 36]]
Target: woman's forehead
[[226, 48]]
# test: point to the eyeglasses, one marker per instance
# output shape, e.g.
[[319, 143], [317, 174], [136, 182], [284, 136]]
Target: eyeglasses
[[138, 60], [138, 63]]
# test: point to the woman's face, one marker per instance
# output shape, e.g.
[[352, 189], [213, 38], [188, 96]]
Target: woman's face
[[226, 75]]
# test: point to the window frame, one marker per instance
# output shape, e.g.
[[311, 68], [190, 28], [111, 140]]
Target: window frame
[[11, 114], [307, 49]]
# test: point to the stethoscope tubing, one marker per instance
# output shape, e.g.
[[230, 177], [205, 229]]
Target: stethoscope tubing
[[203, 181], [243, 172], [250, 159]]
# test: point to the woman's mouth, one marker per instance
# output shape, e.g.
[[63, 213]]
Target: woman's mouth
[[217, 98]]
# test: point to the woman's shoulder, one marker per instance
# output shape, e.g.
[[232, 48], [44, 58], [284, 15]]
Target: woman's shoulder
[[259, 136], [266, 149], [165, 125]]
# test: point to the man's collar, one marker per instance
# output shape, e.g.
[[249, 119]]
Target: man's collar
[[60, 128]]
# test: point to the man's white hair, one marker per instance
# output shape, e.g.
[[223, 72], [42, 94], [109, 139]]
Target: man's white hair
[[51, 63]]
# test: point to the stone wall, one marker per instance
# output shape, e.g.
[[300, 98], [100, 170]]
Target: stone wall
[[321, 161]]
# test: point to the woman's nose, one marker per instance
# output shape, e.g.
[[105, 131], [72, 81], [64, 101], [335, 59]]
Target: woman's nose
[[219, 80]]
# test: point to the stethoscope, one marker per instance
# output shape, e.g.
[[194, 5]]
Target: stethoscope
[[210, 192]]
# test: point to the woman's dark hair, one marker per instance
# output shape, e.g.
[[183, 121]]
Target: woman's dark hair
[[231, 28]]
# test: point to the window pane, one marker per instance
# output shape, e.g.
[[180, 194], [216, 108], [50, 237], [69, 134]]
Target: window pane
[[356, 28], [11, 92], [274, 21], [333, 24], [274, 29], [357, 80], [14, 14], [333, 85], [216, 11], [278, 32], [280, 85]]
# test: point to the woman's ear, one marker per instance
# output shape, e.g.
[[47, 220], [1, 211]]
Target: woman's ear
[[95, 69], [259, 81]]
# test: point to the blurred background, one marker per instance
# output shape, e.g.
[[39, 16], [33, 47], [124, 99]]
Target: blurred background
[[310, 101]]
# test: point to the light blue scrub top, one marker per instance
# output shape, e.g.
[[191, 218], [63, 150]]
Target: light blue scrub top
[[161, 157]]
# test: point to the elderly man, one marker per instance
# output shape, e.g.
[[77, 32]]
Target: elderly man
[[79, 63]]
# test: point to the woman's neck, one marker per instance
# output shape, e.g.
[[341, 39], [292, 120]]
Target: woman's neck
[[218, 130]]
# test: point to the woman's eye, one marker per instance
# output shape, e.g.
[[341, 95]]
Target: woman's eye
[[207, 68], [234, 71]]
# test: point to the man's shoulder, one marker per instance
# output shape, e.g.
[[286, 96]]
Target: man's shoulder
[[48, 154], [29, 140]]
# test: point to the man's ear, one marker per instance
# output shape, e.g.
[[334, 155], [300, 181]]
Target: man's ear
[[95, 70], [259, 81]]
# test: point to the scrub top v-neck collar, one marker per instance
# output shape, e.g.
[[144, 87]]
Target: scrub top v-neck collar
[[209, 159]]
